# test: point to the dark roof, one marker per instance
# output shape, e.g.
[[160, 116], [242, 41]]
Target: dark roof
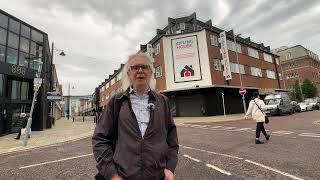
[[204, 25]]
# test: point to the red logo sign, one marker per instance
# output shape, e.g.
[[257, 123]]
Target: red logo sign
[[242, 91]]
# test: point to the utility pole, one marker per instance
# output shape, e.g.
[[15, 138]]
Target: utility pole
[[241, 85]]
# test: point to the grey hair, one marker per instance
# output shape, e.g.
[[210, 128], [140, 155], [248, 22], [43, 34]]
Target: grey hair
[[125, 78]]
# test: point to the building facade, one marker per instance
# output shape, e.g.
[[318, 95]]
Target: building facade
[[298, 64], [56, 106], [78, 105], [22, 46], [189, 68]]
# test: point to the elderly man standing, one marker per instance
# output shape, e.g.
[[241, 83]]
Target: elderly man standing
[[136, 137]]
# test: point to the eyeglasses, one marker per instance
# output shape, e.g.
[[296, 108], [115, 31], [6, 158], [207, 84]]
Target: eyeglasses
[[137, 67]]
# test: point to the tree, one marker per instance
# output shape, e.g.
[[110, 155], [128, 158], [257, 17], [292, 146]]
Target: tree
[[296, 92], [309, 90]]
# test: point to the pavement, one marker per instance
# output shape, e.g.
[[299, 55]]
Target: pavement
[[66, 130]]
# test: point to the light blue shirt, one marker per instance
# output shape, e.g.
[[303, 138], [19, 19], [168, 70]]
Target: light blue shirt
[[140, 109]]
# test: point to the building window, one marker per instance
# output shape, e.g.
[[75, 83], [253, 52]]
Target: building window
[[36, 36], [14, 26], [234, 46], [24, 45], [214, 40], [24, 90], [217, 64], [15, 89], [267, 57], [23, 59], [25, 31], [157, 49], [277, 61], [271, 74], [12, 56], [256, 71], [158, 71], [13, 41], [236, 68], [253, 53], [3, 21], [288, 55], [182, 27], [1, 85], [2, 53], [3, 36]]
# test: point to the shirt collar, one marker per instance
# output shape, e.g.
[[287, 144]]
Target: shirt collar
[[132, 91]]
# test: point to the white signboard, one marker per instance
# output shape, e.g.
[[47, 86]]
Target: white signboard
[[186, 61], [225, 56]]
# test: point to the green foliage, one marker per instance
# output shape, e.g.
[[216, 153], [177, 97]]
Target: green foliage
[[309, 90], [296, 93]]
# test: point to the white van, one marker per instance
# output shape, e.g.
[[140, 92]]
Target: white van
[[279, 103]]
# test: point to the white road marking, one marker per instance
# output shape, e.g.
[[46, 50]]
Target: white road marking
[[216, 127], [210, 152], [282, 132], [218, 169], [194, 159], [316, 122], [228, 128], [50, 162], [274, 170], [242, 129], [195, 125], [310, 135]]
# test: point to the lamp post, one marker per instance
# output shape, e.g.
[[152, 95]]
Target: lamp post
[[36, 85], [241, 85]]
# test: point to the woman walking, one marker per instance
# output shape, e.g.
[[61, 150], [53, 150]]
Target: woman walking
[[256, 110]]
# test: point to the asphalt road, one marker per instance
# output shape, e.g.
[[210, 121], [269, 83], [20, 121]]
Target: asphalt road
[[208, 151]]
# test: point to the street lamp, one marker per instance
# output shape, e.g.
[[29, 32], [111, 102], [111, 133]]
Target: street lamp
[[241, 85], [36, 85]]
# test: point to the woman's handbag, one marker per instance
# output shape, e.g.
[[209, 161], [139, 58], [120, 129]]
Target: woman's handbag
[[266, 119]]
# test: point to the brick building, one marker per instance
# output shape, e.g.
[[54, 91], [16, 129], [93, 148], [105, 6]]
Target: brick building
[[189, 70], [299, 63]]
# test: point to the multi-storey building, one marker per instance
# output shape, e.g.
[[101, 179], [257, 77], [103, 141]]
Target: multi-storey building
[[189, 68], [22, 46], [298, 64]]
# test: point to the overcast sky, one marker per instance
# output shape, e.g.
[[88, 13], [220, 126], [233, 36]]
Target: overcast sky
[[97, 35]]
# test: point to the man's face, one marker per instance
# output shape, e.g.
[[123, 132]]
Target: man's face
[[139, 72]]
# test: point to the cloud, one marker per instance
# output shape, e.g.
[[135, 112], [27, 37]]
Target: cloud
[[98, 35]]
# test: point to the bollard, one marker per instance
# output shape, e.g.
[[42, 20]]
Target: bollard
[[73, 119], [83, 119]]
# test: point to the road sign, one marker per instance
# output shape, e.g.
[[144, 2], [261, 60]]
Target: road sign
[[53, 93], [242, 91], [54, 98]]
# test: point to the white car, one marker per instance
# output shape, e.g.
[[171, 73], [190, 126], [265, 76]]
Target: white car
[[305, 106]]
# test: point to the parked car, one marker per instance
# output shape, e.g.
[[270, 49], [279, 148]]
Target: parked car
[[296, 107], [315, 102], [305, 106], [279, 103]]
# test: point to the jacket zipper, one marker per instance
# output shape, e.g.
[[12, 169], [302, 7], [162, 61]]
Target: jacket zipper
[[141, 138]]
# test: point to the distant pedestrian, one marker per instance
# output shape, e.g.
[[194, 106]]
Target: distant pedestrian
[[136, 138], [24, 121], [256, 110]]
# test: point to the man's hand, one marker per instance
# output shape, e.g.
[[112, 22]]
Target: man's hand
[[168, 175], [116, 177]]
